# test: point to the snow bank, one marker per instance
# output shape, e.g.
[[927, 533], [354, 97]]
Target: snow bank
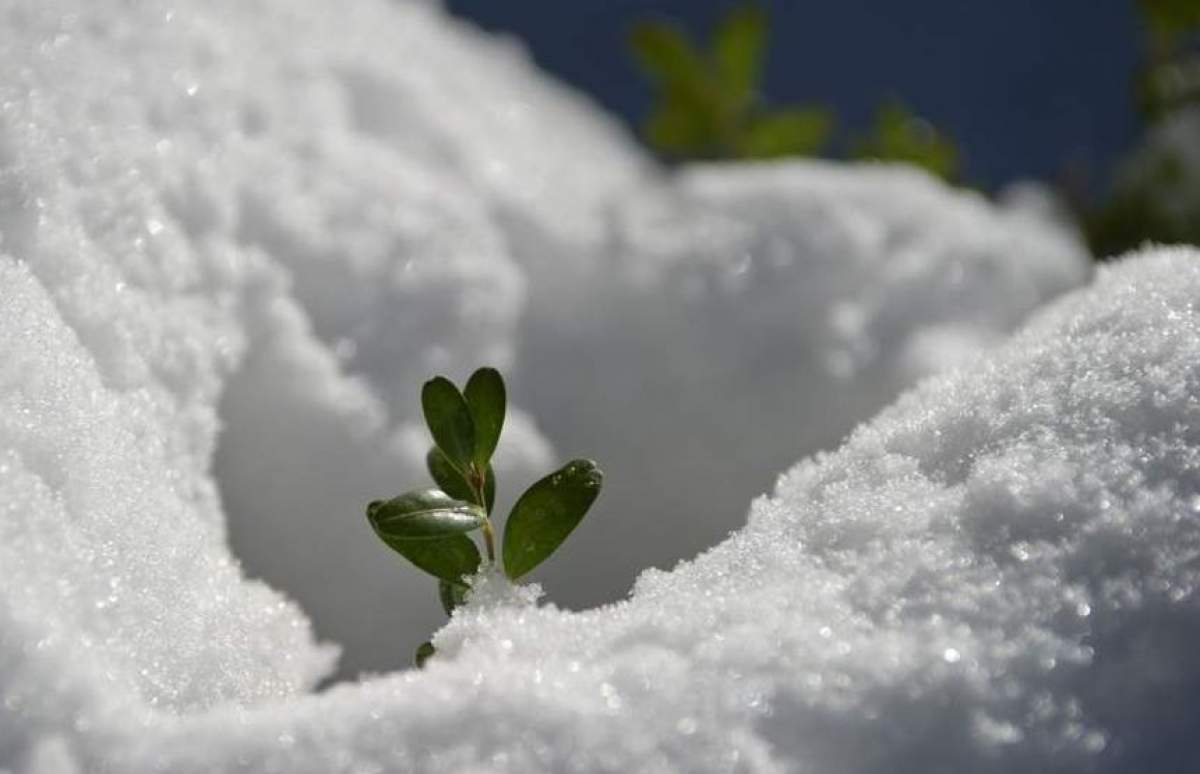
[[236, 236], [754, 313], [202, 202], [997, 573], [280, 242]]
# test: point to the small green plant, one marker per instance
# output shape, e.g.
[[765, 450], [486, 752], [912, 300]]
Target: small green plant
[[431, 527], [710, 104]]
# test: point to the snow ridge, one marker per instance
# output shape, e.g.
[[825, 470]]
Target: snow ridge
[[999, 572]]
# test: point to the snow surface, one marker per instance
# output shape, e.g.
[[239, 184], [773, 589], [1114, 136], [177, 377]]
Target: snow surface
[[755, 313], [282, 241], [998, 572], [236, 236]]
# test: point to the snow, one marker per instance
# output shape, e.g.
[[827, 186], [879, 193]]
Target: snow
[[996, 573], [236, 236], [755, 313], [240, 227]]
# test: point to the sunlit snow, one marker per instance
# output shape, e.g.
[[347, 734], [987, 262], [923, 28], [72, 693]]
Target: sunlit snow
[[235, 237]]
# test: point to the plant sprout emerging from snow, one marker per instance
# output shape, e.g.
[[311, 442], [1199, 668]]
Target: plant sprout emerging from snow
[[431, 527]]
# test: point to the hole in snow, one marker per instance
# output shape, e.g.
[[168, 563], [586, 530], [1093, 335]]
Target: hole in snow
[[301, 452], [688, 415]]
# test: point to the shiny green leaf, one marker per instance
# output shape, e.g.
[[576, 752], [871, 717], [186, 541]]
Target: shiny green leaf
[[436, 543], [451, 481], [489, 489], [486, 401], [546, 513], [450, 558], [449, 420], [423, 515], [448, 478]]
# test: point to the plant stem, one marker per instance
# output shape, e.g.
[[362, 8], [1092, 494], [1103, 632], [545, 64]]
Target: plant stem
[[489, 541], [478, 480]]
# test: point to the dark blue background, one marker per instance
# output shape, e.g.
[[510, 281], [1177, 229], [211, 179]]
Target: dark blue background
[[1025, 86]]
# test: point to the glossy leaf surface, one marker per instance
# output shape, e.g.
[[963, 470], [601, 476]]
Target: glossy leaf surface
[[423, 515], [489, 489], [448, 478], [486, 400], [449, 420], [450, 559], [546, 513]]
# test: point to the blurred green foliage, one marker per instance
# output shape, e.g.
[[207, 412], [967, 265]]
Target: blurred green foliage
[[899, 134], [710, 103], [1171, 18], [1170, 79], [1154, 194]]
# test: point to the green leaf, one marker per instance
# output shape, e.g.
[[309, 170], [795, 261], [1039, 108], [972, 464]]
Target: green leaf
[[486, 402], [427, 528], [452, 482], [665, 54], [422, 515], [450, 559], [548, 512], [449, 420], [789, 132], [899, 134], [738, 45], [424, 651], [681, 126], [451, 595], [448, 478]]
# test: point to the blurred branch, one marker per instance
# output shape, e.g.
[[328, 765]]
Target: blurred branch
[[709, 102], [899, 134]]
